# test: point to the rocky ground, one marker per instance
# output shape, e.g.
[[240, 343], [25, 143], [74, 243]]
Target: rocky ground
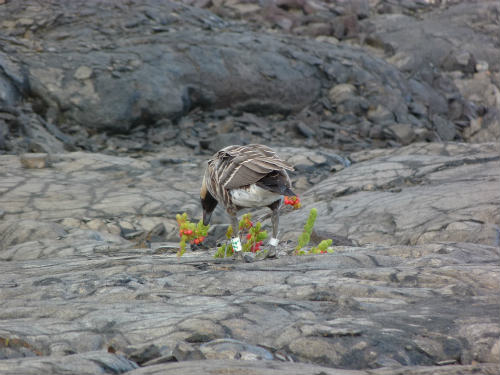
[[389, 111]]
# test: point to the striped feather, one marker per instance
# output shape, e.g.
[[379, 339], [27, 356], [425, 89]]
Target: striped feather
[[236, 167]]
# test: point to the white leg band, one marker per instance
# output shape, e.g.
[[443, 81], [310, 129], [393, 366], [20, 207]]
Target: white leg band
[[273, 241], [235, 241]]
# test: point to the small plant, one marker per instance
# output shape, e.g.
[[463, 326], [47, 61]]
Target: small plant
[[322, 248], [194, 233], [226, 249], [254, 237], [293, 201], [245, 222], [305, 237]]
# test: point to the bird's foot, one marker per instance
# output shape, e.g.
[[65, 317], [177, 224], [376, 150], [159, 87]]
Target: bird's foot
[[266, 253], [238, 255], [272, 248], [244, 257], [270, 252], [273, 242]]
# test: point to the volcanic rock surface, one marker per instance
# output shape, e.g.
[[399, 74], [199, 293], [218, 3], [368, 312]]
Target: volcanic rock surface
[[389, 111]]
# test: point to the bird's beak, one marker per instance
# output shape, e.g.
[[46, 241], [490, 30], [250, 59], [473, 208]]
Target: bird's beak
[[208, 202], [206, 217]]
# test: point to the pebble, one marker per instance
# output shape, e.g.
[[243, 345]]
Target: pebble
[[184, 351], [339, 93], [445, 129], [317, 158], [70, 222], [83, 72], [97, 224], [305, 130], [463, 58], [234, 349], [26, 21], [403, 132], [35, 160], [380, 114], [482, 66]]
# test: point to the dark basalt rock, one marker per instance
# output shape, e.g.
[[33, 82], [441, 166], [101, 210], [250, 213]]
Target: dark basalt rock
[[156, 62]]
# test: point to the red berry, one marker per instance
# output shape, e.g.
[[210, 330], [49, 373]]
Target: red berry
[[249, 235]]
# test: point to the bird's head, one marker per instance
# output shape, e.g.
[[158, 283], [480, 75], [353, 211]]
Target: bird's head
[[208, 202]]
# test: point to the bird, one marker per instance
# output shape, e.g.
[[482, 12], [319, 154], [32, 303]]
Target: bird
[[248, 176]]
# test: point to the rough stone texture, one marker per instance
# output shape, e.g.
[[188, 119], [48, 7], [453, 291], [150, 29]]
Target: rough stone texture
[[89, 282], [91, 363], [462, 39], [177, 72], [37, 161], [75, 287], [389, 305], [418, 194], [161, 71], [469, 27], [271, 368]]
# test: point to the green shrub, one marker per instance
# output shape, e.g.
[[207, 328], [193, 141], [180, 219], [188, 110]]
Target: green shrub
[[305, 237], [194, 233], [253, 234]]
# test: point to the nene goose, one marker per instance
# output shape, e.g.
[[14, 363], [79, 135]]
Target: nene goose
[[245, 177]]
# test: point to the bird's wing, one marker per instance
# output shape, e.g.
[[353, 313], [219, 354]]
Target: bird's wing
[[245, 165]]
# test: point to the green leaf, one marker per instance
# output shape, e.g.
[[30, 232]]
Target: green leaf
[[305, 237]]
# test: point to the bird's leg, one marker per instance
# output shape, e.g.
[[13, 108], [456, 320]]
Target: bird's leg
[[235, 240], [236, 226], [275, 220]]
